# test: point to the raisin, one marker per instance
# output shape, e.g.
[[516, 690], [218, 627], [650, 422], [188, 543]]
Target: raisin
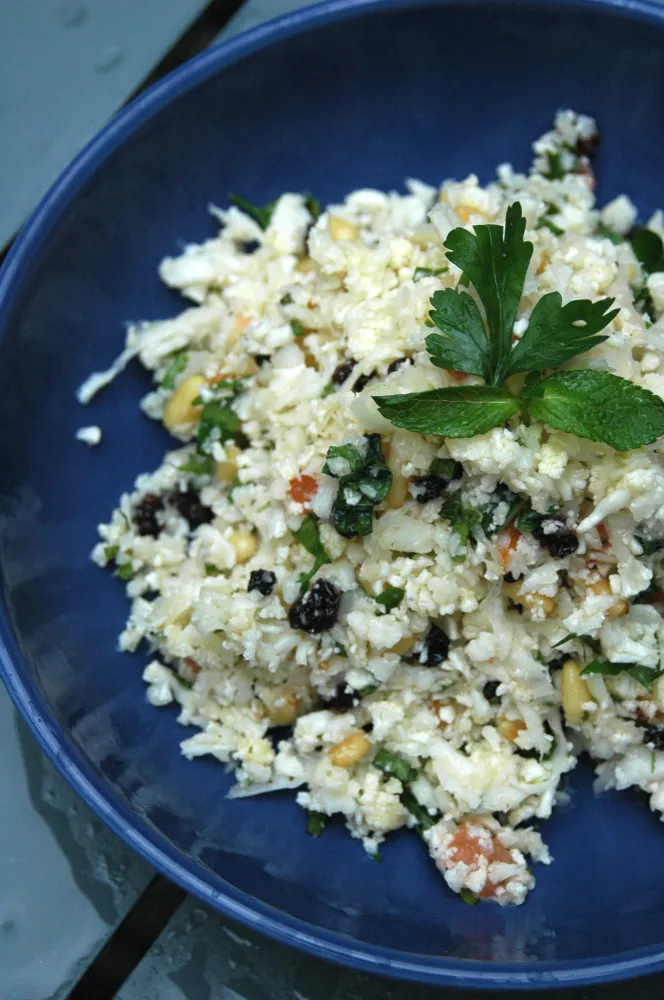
[[425, 488], [342, 700], [248, 246], [554, 535], [262, 580], [654, 736], [489, 691], [588, 145], [434, 649], [262, 359], [190, 507], [317, 610], [511, 578], [363, 381], [145, 514], [396, 365], [342, 372], [558, 662]]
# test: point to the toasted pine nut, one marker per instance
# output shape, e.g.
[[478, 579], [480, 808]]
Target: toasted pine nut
[[575, 693], [398, 491], [284, 709], [244, 543], [403, 645], [510, 728], [226, 471], [540, 601], [350, 751], [179, 410], [603, 589], [342, 229]]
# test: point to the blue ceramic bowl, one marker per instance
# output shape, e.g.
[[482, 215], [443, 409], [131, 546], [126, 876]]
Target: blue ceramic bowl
[[347, 94]]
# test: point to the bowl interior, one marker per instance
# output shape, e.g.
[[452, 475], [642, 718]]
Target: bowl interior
[[365, 99]]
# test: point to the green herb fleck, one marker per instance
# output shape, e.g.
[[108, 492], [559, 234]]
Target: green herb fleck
[[212, 570], [262, 216], [198, 465], [177, 365], [554, 170], [544, 222], [425, 820], [394, 765], [649, 545], [327, 391], [298, 328], [428, 272], [286, 300], [528, 519], [644, 675], [391, 597], [308, 535], [468, 897], [605, 233], [316, 823], [125, 571], [110, 552], [648, 250]]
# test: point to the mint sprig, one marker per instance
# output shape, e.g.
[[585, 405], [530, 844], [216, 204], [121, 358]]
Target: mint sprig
[[588, 403]]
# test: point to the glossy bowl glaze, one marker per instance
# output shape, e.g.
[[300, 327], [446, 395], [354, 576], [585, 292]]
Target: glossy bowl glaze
[[343, 95]]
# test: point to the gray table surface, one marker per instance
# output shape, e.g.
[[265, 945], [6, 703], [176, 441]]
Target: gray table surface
[[66, 882]]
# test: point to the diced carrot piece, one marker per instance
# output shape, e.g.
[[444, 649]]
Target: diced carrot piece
[[602, 532], [507, 542], [473, 842], [303, 489], [192, 665]]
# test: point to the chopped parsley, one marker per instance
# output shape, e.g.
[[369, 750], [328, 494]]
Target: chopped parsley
[[286, 300], [468, 897], [125, 571], [425, 820], [587, 402], [198, 465], [364, 482], [262, 216], [298, 328], [218, 420], [110, 552]]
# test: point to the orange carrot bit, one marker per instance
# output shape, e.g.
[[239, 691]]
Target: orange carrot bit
[[303, 489], [242, 322], [456, 375], [506, 544], [471, 844], [603, 532], [192, 665]]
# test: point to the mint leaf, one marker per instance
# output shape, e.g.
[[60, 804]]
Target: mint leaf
[[496, 262], [424, 818], [644, 675], [391, 597], [394, 765], [177, 364], [598, 406], [308, 535], [361, 486], [554, 336], [648, 250], [457, 412], [217, 416], [464, 347], [260, 215]]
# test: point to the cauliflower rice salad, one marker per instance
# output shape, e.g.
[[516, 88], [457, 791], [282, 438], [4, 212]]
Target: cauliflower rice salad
[[405, 558]]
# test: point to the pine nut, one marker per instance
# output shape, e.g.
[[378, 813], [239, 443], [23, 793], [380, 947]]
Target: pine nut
[[575, 693], [342, 229], [244, 543], [603, 589], [350, 751], [179, 411], [403, 645], [510, 728], [284, 709], [226, 471]]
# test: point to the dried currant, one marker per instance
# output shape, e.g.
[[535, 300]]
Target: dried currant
[[189, 505], [396, 365], [653, 737], [317, 610], [342, 700], [145, 513], [490, 692], [342, 372], [363, 381], [434, 649], [262, 580], [554, 535]]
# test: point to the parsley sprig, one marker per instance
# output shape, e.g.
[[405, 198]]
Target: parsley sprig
[[588, 403]]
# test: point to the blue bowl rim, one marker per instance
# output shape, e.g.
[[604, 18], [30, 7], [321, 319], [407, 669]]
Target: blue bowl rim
[[70, 762]]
